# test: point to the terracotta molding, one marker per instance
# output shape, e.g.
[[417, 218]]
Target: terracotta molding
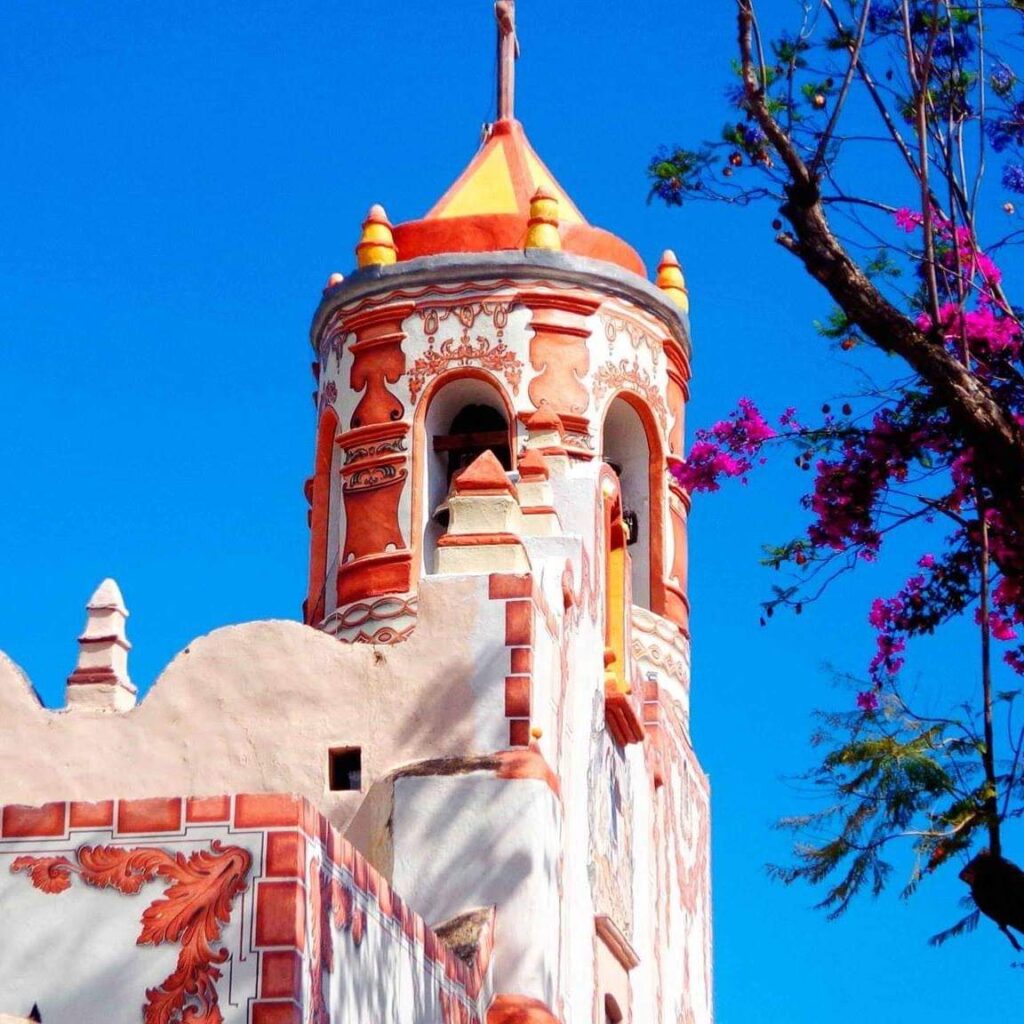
[[510, 1009], [207, 809], [20, 822], [527, 764], [568, 330], [374, 552], [373, 316], [373, 432], [506, 585], [362, 464], [532, 466], [474, 540], [620, 716], [156, 814], [390, 339], [517, 697], [582, 303], [478, 271], [675, 488], [616, 942], [94, 676], [276, 1011], [374, 576], [484, 475], [111, 639], [91, 814]]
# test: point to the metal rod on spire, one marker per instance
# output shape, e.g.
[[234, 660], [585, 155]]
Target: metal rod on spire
[[508, 51]]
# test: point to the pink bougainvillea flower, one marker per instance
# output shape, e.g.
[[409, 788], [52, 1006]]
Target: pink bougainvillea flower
[[867, 700], [908, 220], [1002, 629]]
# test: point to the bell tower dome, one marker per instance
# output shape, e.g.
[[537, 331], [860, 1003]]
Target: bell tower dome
[[501, 321]]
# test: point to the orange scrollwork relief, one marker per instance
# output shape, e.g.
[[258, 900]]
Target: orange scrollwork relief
[[632, 377], [495, 355], [196, 906], [558, 349]]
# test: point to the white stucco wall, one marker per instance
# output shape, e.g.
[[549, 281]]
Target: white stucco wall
[[256, 707]]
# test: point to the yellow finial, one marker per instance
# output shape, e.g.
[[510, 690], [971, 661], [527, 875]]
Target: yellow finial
[[670, 280], [376, 246], [542, 231]]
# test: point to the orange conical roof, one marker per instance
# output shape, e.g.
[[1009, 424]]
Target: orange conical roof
[[487, 209], [502, 178]]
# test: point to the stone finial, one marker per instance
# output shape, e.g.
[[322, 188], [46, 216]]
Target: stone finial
[[100, 679], [542, 229], [536, 497], [545, 430], [670, 280], [376, 246], [484, 475], [486, 525], [532, 466], [333, 281]]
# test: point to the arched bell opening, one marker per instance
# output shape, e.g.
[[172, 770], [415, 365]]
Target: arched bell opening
[[465, 415], [616, 582], [631, 445], [616, 599], [323, 541]]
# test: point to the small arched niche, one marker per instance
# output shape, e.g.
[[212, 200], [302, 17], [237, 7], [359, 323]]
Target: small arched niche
[[626, 446], [465, 417], [612, 1011]]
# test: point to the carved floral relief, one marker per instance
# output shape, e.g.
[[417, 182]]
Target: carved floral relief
[[462, 349], [196, 906], [631, 376]]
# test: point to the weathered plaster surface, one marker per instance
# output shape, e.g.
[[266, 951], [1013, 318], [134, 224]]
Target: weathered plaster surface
[[256, 707]]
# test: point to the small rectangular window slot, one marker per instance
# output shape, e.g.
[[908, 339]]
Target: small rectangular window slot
[[345, 768]]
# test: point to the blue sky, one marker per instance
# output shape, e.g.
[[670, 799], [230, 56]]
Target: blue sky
[[179, 180]]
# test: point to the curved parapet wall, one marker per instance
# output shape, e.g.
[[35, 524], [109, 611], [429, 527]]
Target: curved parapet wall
[[262, 705]]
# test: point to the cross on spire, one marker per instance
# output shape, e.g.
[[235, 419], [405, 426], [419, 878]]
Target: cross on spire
[[508, 51]]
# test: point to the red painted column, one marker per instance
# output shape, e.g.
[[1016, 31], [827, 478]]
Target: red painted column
[[677, 603], [376, 558]]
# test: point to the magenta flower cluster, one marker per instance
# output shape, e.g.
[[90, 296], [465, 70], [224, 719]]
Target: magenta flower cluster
[[907, 452], [727, 449]]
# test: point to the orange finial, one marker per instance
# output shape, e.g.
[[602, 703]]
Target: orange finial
[[670, 280], [532, 466], [484, 474], [542, 231], [545, 420], [376, 246]]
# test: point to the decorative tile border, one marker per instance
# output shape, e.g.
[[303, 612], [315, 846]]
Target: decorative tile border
[[525, 606], [303, 854]]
